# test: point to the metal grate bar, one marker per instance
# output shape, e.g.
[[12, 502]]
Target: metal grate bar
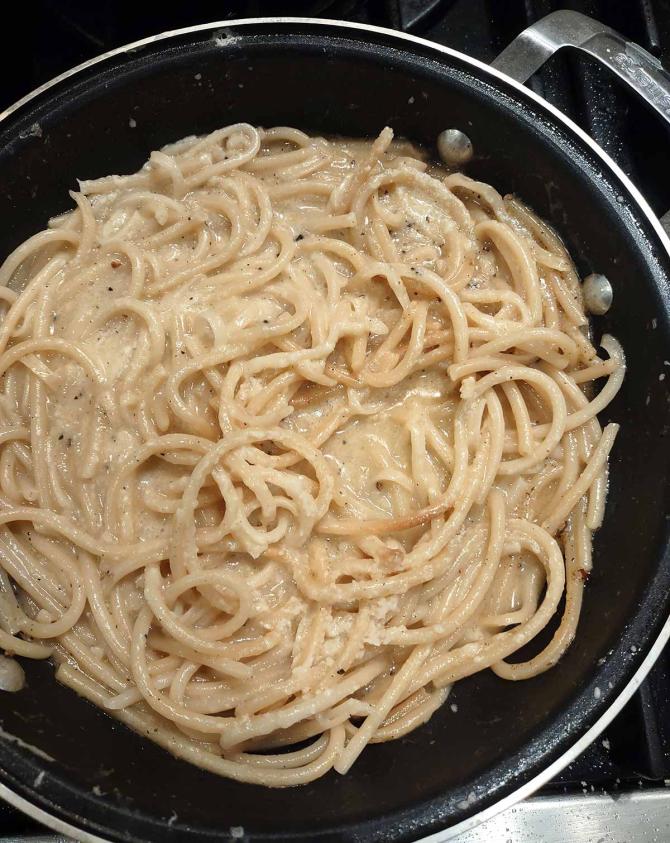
[[653, 36]]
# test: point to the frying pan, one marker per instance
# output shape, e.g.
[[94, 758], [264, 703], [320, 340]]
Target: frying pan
[[72, 767]]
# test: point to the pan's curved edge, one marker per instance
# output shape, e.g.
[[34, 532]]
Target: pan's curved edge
[[80, 834], [47, 819], [575, 750], [527, 93]]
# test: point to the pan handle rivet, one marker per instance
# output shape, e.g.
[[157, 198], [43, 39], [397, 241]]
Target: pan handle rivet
[[454, 147], [597, 293]]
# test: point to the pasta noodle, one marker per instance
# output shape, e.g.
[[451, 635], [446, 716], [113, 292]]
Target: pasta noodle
[[293, 436]]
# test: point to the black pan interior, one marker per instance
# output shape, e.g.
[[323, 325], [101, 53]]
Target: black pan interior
[[106, 120]]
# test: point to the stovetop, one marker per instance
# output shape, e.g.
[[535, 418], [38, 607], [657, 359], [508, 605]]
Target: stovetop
[[618, 791]]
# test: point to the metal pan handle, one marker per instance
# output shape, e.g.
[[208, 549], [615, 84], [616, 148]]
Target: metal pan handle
[[643, 73], [633, 65]]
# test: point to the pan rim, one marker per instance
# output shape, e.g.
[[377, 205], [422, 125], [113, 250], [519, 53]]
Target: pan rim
[[520, 91]]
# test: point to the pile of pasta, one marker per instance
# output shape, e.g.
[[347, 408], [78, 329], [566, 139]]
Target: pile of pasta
[[295, 433]]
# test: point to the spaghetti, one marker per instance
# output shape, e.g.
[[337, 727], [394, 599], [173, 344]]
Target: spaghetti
[[293, 436]]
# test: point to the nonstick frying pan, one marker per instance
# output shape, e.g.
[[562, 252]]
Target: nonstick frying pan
[[71, 766]]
